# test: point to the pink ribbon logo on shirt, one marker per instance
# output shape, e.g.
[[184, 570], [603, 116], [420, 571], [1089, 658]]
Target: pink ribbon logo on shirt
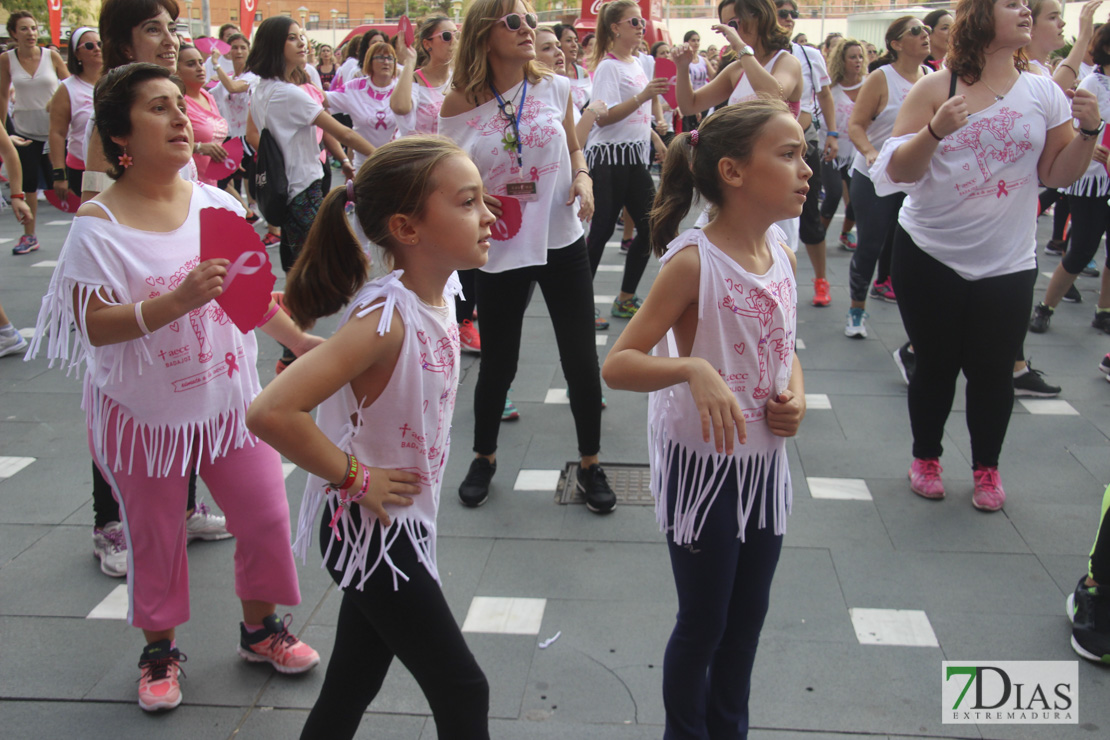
[[381, 121], [1002, 189], [534, 175], [232, 365]]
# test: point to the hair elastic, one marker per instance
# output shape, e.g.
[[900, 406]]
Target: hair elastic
[[694, 137], [350, 191]]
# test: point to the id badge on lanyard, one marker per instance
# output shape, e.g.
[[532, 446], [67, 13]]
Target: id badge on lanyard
[[520, 187]]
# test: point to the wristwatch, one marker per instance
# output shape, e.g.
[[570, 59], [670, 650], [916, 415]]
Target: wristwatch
[[744, 51], [1089, 134]]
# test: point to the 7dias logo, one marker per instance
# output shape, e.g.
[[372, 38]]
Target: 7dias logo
[[1010, 692]]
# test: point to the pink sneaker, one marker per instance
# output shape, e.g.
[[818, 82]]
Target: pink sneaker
[[988, 495], [469, 339], [276, 645], [159, 687], [925, 478]]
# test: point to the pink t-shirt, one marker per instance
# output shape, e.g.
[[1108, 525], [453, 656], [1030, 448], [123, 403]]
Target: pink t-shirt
[[208, 127]]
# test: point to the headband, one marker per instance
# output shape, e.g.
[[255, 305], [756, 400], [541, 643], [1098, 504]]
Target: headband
[[76, 35]]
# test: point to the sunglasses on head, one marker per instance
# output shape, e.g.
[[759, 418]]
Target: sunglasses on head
[[635, 21], [784, 14], [513, 21], [915, 31], [90, 45]]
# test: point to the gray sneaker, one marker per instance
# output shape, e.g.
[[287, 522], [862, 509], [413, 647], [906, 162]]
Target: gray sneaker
[[110, 547], [204, 525], [11, 344], [1042, 317]]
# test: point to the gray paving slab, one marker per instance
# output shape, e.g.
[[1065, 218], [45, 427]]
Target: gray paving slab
[[16, 538], [111, 721], [267, 723]]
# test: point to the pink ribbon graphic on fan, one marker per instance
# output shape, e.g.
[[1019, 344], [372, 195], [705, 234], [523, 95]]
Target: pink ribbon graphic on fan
[[1001, 189], [232, 365], [240, 267]]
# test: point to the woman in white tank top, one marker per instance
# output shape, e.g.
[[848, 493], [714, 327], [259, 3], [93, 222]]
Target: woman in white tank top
[[877, 105], [34, 74], [70, 110]]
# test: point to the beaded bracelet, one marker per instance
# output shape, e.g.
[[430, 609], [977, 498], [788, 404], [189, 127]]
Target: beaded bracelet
[[344, 503]]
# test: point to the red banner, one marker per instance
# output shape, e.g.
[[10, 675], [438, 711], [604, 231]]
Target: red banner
[[55, 7], [246, 16]]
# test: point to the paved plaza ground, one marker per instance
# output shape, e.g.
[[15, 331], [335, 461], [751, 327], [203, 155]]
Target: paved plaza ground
[[875, 588]]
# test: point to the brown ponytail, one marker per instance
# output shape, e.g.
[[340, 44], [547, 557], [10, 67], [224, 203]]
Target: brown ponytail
[[732, 132], [331, 268]]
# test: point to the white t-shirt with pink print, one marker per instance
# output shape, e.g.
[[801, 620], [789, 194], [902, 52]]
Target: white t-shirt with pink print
[[975, 208], [531, 225]]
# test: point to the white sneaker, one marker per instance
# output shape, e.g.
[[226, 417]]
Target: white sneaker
[[856, 328], [204, 525], [110, 546], [12, 344]]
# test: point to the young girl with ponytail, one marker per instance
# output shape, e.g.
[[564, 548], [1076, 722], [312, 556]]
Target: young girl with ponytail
[[385, 384], [721, 320]]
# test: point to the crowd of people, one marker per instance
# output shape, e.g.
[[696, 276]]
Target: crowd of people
[[485, 159]]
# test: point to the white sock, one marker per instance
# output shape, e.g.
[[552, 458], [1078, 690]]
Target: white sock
[[1021, 372]]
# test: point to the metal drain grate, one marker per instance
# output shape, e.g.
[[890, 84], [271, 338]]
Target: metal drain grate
[[631, 483]]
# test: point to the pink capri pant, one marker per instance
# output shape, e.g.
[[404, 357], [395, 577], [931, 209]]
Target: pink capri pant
[[247, 484]]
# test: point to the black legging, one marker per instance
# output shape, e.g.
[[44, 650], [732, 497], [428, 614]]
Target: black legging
[[1060, 214], [834, 179], [618, 186], [105, 506], [413, 623], [1090, 219], [880, 213], [568, 291], [1099, 565], [976, 326], [467, 301]]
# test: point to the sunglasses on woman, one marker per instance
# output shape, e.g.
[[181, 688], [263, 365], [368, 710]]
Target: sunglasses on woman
[[513, 21], [784, 14], [915, 31], [635, 21], [445, 35], [90, 45]]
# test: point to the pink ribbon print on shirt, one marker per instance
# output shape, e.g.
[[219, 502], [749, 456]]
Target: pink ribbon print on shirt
[[991, 140]]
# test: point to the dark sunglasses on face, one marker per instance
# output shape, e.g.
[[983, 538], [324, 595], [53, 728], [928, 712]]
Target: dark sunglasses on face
[[445, 35], [635, 21], [90, 45], [915, 31], [513, 21], [784, 14]]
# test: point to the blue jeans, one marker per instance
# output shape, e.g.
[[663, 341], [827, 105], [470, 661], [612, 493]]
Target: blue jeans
[[724, 586]]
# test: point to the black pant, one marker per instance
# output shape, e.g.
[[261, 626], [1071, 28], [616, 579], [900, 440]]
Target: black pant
[[618, 186], [74, 179], [412, 623], [810, 228], [1060, 214], [724, 587], [1090, 219], [834, 179], [36, 166], [976, 326], [568, 291], [879, 214], [105, 506], [1099, 566]]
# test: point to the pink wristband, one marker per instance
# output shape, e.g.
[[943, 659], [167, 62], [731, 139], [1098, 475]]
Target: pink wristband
[[268, 315]]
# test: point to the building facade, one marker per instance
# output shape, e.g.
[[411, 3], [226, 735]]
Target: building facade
[[312, 14]]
